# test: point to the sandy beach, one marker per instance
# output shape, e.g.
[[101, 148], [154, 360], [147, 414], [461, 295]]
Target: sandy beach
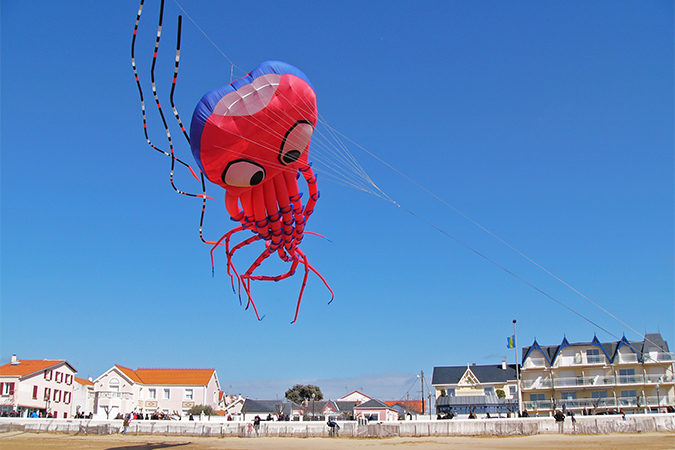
[[643, 441]]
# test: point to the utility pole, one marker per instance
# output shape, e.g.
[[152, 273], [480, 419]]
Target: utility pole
[[422, 390], [515, 350]]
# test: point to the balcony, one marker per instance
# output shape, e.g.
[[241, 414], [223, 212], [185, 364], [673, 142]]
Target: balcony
[[660, 379], [540, 383], [536, 363], [628, 358], [661, 357], [111, 394], [599, 404]]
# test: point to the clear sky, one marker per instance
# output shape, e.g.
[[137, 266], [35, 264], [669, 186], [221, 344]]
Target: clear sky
[[549, 124]]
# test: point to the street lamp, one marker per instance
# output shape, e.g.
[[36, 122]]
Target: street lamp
[[313, 396], [658, 399]]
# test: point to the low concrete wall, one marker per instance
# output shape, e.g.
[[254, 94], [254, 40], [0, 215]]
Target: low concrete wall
[[457, 427]]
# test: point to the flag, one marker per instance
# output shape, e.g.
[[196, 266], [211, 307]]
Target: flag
[[511, 341]]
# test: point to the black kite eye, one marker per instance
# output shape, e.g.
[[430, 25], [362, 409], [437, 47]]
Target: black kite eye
[[295, 142], [243, 173]]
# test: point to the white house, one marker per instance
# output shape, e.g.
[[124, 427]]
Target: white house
[[148, 391], [83, 397], [42, 386]]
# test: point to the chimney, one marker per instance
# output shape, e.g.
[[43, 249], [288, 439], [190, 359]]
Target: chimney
[[15, 362], [504, 365]]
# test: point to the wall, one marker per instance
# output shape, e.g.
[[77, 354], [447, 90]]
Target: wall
[[633, 423]]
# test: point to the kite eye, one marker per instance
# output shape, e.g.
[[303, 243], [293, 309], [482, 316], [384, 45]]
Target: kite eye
[[295, 142], [243, 173]]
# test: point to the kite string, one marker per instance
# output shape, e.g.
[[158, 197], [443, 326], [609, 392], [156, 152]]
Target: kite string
[[349, 165]]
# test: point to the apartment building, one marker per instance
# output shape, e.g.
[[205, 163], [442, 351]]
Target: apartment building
[[598, 377]]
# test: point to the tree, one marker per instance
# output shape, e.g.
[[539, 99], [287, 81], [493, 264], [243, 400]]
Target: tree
[[198, 409], [301, 392], [500, 393]]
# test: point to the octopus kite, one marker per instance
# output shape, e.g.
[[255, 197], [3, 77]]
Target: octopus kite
[[252, 138]]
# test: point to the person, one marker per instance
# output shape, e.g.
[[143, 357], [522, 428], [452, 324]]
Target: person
[[34, 415], [256, 425], [525, 413], [334, 428], [125, 424], [560, 420]]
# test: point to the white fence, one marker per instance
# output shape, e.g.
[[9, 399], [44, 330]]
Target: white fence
[[633, 423]]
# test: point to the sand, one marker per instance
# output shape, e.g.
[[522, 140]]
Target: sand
[[55, 441]]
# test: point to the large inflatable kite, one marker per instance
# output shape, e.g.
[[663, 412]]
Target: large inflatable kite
[[252, 138]]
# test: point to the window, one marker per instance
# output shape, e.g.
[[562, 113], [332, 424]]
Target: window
[[6, 388], [67, 397], [35, 391], [451, 392], [569, 395], [167, 394], [627, 376], [48, 394], [189, 394], [69, 379], [629, 393], [512, 391], [599, 394], [152, 394], [58, 377], [48, 375], [114, 385], [537, 397], [594, 357], [489, 391], [57, 395]]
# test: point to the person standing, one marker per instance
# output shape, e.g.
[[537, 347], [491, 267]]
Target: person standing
[[560, 420]]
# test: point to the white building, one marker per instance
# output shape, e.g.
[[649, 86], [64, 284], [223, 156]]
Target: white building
[[37, 385], [83, 397], [478, 389], [122, 390], [600, 377]]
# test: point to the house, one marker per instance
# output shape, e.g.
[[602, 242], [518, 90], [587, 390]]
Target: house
[[154, 391], [272, 409], [42, 386], [481, 389], [83, 397], [231, 406], [375, 410], [407, 408], [600, 377], [355, 396]]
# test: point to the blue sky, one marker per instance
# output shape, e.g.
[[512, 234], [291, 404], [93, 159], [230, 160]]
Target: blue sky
[[550, 124]]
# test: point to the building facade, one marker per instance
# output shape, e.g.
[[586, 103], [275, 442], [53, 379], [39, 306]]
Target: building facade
[[40, 386], [598, 377], [477, 389], [166, 392]]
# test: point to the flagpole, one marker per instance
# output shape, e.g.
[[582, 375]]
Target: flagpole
[[515, 350]]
